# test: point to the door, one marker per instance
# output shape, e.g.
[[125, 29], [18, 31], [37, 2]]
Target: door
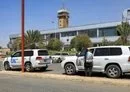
[[101, 57], [80, 60], [16, 60]]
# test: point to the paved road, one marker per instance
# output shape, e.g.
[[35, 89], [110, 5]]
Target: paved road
[[26, 84], [0, 65], [55, 68]]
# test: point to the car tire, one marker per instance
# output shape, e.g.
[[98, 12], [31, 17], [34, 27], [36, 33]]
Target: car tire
[[28, 67], [7, 66], [113, 71], [70, 69]]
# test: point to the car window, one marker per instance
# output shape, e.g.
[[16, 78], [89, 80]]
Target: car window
[[28, 53], [42, 52], [101, 52], [17, 54], [57, 54], [129, 48], [91, 50], [64, 53], [82, 53], [115, 51]]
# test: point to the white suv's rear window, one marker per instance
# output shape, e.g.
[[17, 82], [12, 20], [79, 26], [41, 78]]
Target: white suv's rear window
[[108, 51], [115, 51]]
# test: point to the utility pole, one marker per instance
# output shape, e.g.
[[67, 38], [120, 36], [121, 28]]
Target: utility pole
[[22, 33]]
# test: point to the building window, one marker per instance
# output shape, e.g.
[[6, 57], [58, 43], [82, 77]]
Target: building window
[[91, 33], [107, 32], [128, 13], [65, 34]]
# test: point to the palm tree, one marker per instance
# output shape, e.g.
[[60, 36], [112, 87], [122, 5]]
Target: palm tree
[[124, 31], [32, 39]]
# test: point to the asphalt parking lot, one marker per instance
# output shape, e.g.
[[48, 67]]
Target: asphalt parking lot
[[55, 68]]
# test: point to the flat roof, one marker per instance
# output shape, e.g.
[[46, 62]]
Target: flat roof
[[76, 28], [83, 27]]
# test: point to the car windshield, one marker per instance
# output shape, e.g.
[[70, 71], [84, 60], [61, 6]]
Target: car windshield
[[64, 53]]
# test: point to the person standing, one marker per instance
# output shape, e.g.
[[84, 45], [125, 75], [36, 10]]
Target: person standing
[[88, 62]]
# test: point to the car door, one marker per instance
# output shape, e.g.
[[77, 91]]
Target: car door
[[28, 55], [16, 60], [80, 60], [100, 58]]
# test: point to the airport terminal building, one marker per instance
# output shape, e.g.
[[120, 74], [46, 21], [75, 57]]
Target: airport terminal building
[[96, 32]]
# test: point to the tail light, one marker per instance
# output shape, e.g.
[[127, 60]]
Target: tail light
[[39, 58], [129, 59]]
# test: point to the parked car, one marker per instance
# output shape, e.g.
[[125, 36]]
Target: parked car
[[33, 59], [59, 56], [114, 61]]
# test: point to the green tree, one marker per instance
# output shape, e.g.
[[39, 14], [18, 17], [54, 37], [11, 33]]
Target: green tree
[[124, 31], [73, 43], [0, 47], [80, 41], [120, 42], [54, 44], [33, 39], [105, 42]]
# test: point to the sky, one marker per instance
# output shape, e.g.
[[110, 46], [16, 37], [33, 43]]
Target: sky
[[42, 14]]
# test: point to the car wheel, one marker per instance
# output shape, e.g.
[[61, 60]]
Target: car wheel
[[70, 69], [113, 71], [7, 66], [28, 67]]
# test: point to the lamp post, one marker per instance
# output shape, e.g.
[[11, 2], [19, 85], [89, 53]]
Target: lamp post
[[22, 33]]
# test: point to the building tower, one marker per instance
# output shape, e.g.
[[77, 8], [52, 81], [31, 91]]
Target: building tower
[[63, 18], [126, 15]]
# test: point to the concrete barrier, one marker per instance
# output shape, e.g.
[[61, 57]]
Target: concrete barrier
[[116, 82]]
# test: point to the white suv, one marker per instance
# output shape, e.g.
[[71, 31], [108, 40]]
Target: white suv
[[112, 60], [33, 58]]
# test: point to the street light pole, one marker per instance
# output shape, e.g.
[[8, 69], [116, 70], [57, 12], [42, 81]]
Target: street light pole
[[22, 33]]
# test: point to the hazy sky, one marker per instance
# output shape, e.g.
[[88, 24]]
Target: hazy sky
[[40, 14]]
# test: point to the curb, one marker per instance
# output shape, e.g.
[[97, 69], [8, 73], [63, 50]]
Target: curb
[[116, 82]]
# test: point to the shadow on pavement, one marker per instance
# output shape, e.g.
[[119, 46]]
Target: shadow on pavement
[[37, 70], [94, 74]]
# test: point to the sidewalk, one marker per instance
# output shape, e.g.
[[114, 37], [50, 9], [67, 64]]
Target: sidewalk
[[108, 81]]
